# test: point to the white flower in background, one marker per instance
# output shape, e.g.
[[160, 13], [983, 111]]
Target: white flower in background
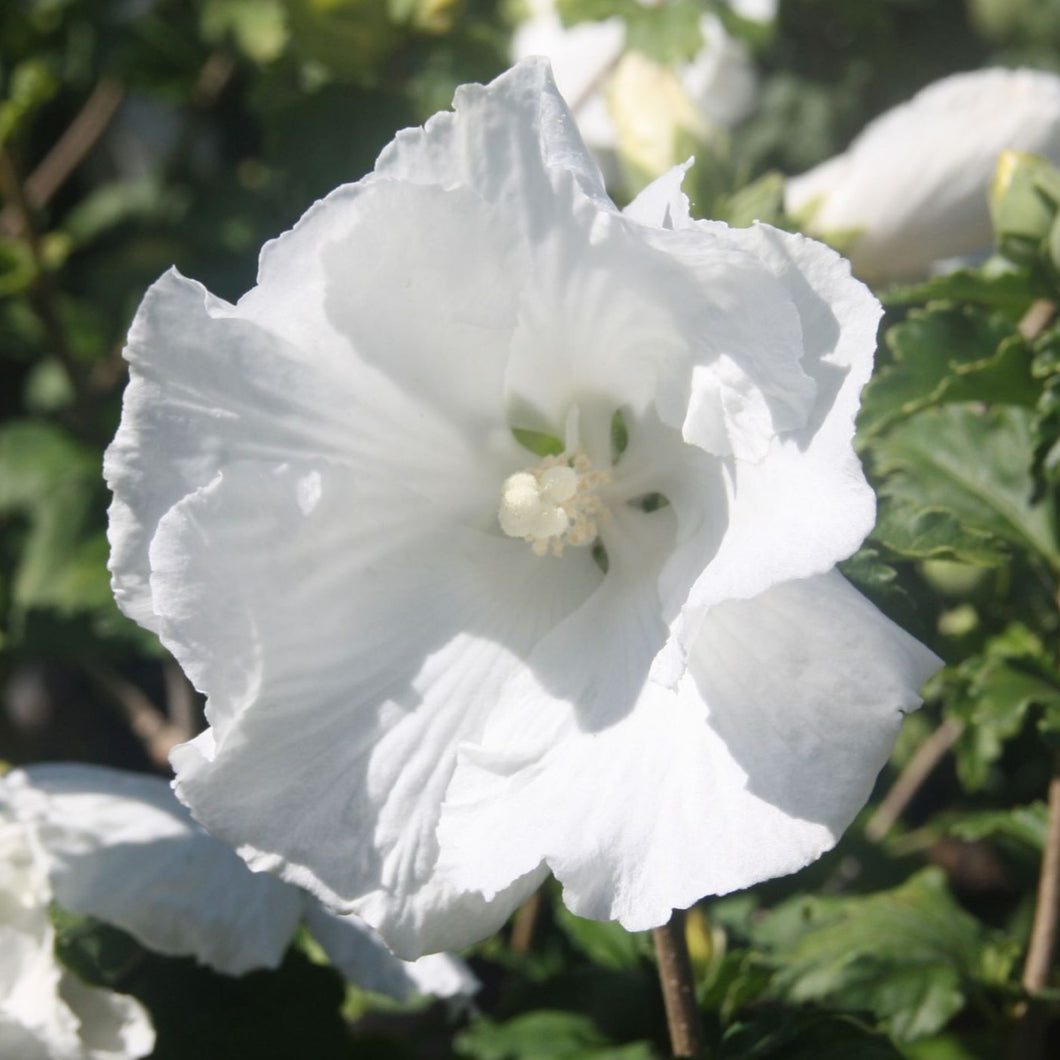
[[913, 187], [755, 10], [440, 664], [46, 1011], [120, 847], [627, 103], [583, 57]]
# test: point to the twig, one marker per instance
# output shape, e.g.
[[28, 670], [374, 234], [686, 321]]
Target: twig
[[1037, 317], [524, 923], [678, 988], [1031, 1016], [67, 153], [213, 78], [1042, 947], [181, 703], [923, 763], [154, 730]]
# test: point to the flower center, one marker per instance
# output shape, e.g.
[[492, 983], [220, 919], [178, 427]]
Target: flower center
[[554, 504]]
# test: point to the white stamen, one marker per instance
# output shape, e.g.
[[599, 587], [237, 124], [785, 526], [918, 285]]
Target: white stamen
[[554, 504]]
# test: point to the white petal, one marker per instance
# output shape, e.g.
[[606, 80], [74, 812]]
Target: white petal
[[913, 185], [584, 677], [750, 770], [345, 287], [331, 354], [602, 316], [512, 141], [721, 79], [34, 1020], [350, 656], [756, 10], [204, 387], [46, 1013], [662, 204], [806, 504], [361, 955], [111, 1026], [120, 847], [442, 975], [581, 57], [746, 380]]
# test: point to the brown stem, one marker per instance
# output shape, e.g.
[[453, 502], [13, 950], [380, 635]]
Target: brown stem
[[1042, 947], [182, 705], [1037, 317], [678, 989], [154, 730], [524, 924], [923, 763], [1032, 1016], [67, 153], [213, 78]]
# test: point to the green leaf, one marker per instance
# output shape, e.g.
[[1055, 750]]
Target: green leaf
[[31, 84], [879, 581], [258, 27], [1025, 825], [1021, 208], [1016, 20], [571, 12], [604, 942], [18, 269], [947, 1047], [992, 693], [668, 33], [544, 1035], [1047, 419], [54, 484], [934, 533], [910, 955], [538, 442], [762, 200], [785, 1035], [293, 1010], [974, 465], [997, 284], [948, 354], [110, 205], [619, 435], [349, 40]]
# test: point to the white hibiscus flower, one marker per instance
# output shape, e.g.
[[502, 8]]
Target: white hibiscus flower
[[755, 10], [120, 847], [440, 664], [46, 1011], [913, 187]]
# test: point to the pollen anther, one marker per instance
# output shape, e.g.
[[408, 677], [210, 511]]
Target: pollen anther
[[554, 504]]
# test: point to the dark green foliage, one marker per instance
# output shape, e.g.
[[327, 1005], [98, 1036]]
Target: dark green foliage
[[545, 1035], [292, 1011], [234, 116], [912, 957]]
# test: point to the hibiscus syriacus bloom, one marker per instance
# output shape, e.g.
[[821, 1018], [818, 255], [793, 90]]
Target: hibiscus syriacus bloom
[[46, 1011], [499, 527], [119, 847], [913, 187]]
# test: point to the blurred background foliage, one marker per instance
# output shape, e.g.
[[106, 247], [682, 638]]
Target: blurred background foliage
[[140, 134]]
